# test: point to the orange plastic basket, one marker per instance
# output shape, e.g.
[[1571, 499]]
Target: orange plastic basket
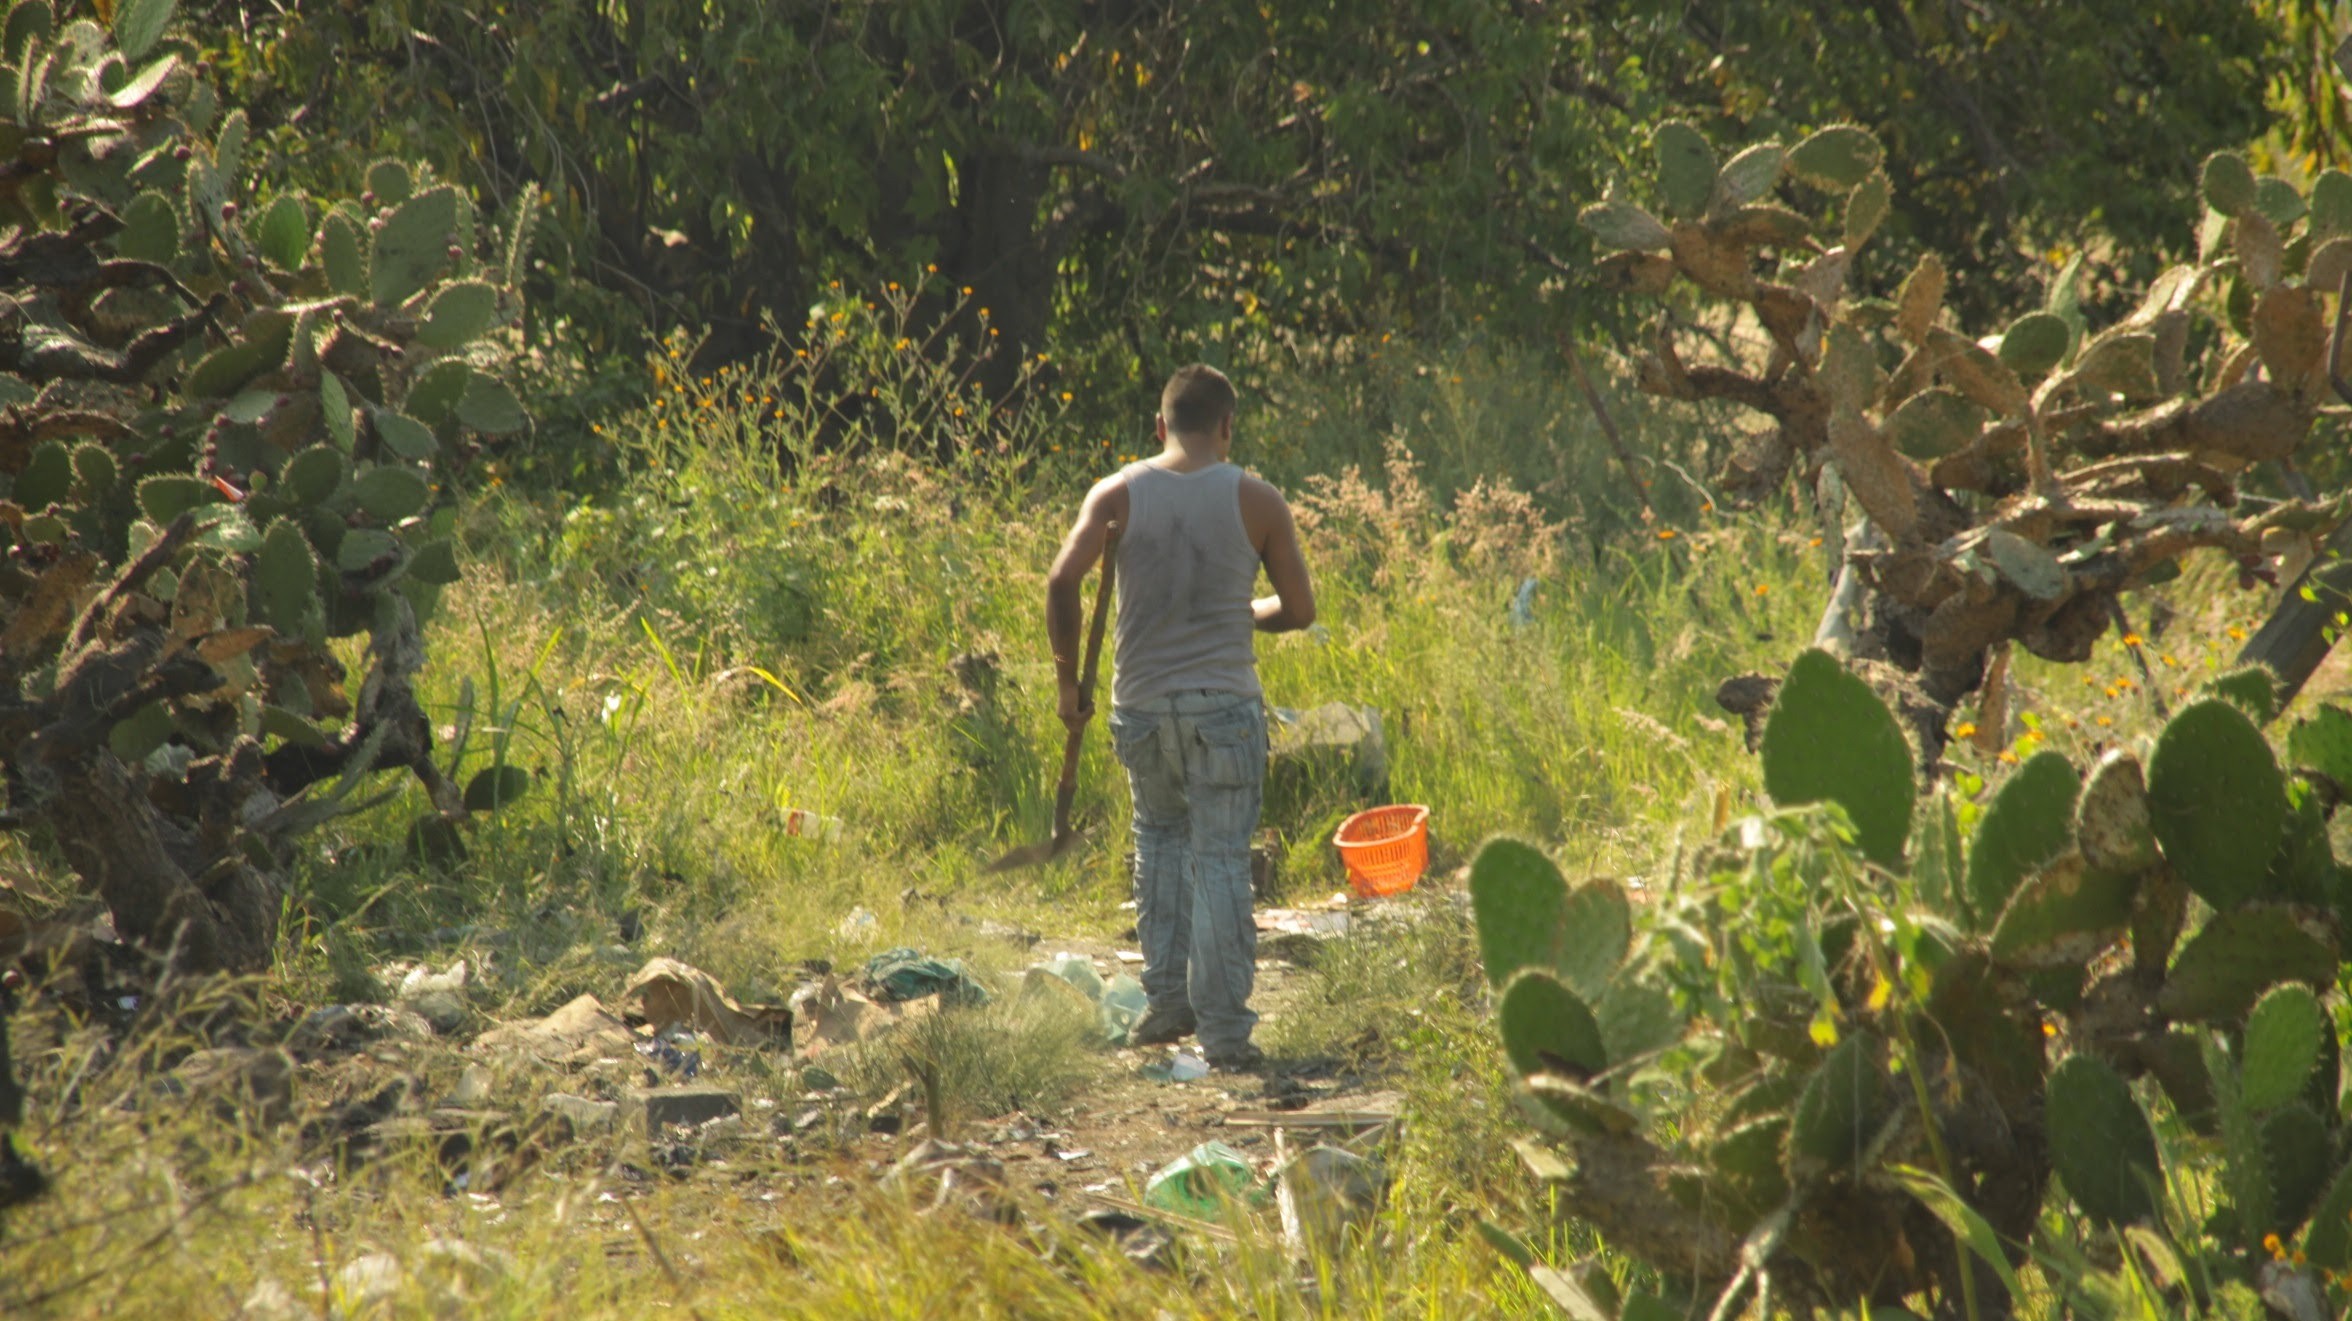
[[1384, 848]]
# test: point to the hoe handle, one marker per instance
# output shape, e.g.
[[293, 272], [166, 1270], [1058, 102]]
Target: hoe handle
[[1067, 789]]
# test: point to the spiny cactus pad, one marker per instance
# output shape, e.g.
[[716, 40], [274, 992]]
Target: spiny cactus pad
[[2030, 822], [2227, 183], [1686, 168], [1519, 901], [1934, 423], [2216, 800], [2298, 1149], [2282, 1046], [1747, 178], [2101, 1143], [2253, 687], [2067, 913], [1548, 1028], [2238, 955], [1840, 1109], [2322, 742], [2111, 824], [1596, 929], [2035, 342], [1837, 157], [413, 246], [1829, 738], [1622, 225]]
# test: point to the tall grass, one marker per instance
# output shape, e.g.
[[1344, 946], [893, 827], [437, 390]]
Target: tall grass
[[783, 606]]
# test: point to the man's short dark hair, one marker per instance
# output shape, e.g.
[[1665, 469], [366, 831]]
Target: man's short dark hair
[[1196, 399]]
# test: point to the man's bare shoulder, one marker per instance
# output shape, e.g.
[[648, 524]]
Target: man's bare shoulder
[[1107, 499], [1263, 510]]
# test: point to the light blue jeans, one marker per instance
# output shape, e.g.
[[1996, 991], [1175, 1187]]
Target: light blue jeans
[[1196, 766]]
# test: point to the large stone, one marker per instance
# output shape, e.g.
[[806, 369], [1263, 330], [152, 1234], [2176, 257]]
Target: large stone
[[687, 1106], [583, 1115]]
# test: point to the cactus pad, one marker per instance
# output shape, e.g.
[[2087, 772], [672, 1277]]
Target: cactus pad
[[1596, 930], [2066, 914], [1636, 1020], [2216, 800], [47, 477], [494, 787], [2331, 205], [459, 314], [1622, 225], [2329, 1244], [2029, 822], [2241, 953], [1686, 168], [491, 408], [1829, 738], [2254, 688], [390, 492], [1547, 1028], [389, 180], [2227, 183], [314, 475], [404, 435], [151, 229], [434, 397], [1839, 1110], [284, 232], [1866, 207], [1519, 902], [1934, 423], [166, 496], [2322, 742], [335, 411], [435, 562], [413, 245], [2298, 1150], [1747, 178], [285, 581], [2035, 342], [2111, 824], [343, 256], [1839, 156], [2282, 1046], [2100, 1142]]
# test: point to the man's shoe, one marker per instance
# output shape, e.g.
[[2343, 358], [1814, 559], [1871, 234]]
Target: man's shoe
[[1244, 1058], [1158, 1028]]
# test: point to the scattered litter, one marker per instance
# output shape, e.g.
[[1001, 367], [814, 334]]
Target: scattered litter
[[1201, 1181], [1078, 971], [1347, 736], [858, 925], [1323, 1191], [1073, 1153], [671, 994], [348, 1027], [1130, 956], [1523, 604], [1123, 1006], [826, 1014], [437, 997], [581, 1031], [896, 976], [1141, 1241], [1183, 1065], [801, 823], [673, 1053], [953, 1174]]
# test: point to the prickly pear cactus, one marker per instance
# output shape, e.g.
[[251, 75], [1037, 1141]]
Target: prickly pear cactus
[[225, 422], [2015, 479], [1877, 1080]]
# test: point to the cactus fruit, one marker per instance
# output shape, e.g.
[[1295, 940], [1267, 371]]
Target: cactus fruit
[[1547, 1028], [1686, 168], [2227, 183], [2035, 342], [2239, 954], [1622, 225], [1837, 157], [2101, 1142], [2216, 800], [1747, 178], [2282, 1047], [1829, 738], [2029, 823], [2111, 820]]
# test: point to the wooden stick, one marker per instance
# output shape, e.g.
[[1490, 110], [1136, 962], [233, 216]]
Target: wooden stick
[[1592, 397]]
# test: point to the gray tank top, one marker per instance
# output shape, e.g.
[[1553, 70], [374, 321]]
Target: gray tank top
[[1186, 571]]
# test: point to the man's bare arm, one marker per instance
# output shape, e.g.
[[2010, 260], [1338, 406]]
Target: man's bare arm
[[1064, 607], [1292, 606]]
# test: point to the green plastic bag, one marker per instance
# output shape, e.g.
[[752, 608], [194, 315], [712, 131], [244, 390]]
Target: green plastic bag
[[1200, 1182]]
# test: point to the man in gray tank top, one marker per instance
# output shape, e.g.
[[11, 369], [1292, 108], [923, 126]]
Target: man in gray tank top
[[1186, 714]]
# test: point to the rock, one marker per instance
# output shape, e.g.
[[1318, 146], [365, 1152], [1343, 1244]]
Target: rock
[[688, 1106], [473, 1088], [339, 1028], [241, 1082], [581, 1031], [369, 1280], [583, 1115]]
